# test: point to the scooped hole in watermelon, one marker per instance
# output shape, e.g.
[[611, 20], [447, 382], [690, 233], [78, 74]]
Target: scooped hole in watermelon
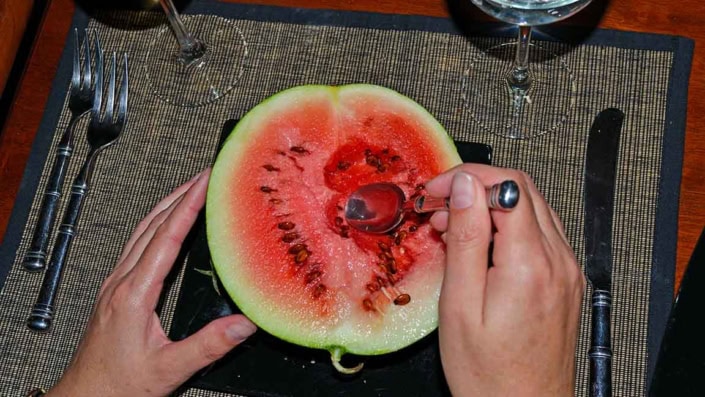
[[275, 224]]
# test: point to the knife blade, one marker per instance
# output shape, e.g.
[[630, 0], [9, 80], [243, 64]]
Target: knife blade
[[600, 173]]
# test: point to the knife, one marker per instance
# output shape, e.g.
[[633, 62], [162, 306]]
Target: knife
[[600, 170]]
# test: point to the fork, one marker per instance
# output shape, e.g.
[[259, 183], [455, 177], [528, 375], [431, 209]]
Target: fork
[[103, 131], [80, 101]]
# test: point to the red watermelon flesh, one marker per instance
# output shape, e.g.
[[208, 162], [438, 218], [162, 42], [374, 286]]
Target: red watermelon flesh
[[275, 224]]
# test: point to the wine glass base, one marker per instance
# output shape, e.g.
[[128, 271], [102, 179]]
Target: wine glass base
[[200, 82], [515, 112]]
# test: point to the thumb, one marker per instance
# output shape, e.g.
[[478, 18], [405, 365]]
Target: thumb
[[467, 243], [208, 344]]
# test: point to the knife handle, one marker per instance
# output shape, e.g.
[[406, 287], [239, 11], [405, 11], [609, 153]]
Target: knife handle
[[601, 349]]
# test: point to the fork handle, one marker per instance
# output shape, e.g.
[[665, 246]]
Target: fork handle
[[42, 314], [36, 255]]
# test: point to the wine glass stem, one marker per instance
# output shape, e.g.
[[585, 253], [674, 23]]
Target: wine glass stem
[[191, 49], [519, 79]]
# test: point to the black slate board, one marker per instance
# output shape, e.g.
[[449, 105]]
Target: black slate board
[[266, 366]]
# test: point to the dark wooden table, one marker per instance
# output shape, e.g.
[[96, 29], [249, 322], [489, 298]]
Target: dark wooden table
[[684, 17]]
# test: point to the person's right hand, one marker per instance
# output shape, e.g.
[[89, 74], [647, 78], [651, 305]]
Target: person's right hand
[[509, 329]]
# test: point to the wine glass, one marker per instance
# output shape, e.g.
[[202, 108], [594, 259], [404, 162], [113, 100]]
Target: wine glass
[[196, 59], [521, 90]]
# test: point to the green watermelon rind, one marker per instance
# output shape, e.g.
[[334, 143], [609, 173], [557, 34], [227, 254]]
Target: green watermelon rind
[[266, 319]]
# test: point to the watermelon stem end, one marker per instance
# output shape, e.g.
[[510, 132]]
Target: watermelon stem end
[[335, 355]]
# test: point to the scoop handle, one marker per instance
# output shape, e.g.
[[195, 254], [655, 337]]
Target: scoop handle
[[500, 196]]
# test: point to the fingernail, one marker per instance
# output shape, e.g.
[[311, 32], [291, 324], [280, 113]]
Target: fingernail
[[430, 182], [206, 171], [462, 192], [240, 330], [202, 175], [196, 177]]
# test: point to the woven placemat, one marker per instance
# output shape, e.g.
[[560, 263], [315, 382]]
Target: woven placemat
[[424, 58]]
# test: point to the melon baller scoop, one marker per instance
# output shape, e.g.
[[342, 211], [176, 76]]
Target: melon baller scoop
[[380, 207]]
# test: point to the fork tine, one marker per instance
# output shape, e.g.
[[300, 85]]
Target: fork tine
[[122, 96], [98, 91], [111, 91], [76, 75], [98, 52], [86, 72]]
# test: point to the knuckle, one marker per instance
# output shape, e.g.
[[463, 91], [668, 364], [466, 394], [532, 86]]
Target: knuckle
[[535, 274], [144, 224], [156, 221], [193, 208], [148, 223], [536, 271], [579, 281], [582, 284], [575, 273], [122, 296], [165, 232], [107, 285], [525, 177], [572, 275], [468, 234], [105, 293], [210, 351], [559, 226], [526, 182]]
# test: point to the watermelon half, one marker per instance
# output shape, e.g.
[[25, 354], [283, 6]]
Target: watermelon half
[[275, 226]]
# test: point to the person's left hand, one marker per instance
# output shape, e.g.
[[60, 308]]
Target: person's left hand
[[125, 351]]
